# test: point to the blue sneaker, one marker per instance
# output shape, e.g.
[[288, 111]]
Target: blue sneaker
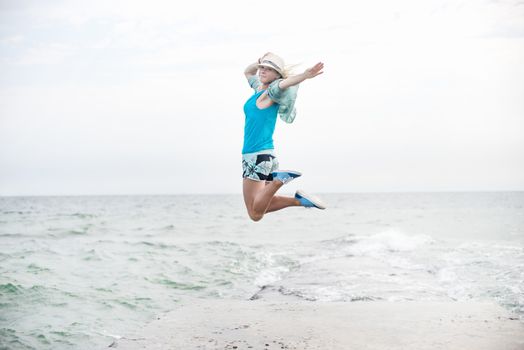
[[286, 175], [309, 201]]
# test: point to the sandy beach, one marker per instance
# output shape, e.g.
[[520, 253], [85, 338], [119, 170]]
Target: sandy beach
[[223, 324]]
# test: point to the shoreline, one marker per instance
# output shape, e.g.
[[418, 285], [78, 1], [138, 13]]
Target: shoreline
[[258, 324]]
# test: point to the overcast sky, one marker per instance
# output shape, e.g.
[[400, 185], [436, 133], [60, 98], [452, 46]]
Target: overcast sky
[[135, 97]]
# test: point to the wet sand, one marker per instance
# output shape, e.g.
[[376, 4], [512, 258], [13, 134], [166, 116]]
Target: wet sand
[[226, 324]]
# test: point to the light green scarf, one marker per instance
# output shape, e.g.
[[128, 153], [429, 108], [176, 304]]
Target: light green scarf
[[285, 98]]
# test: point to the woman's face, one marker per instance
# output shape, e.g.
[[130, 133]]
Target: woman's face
[[267, 75]]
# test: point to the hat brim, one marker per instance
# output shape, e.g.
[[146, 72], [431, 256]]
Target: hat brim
[[272, 66]]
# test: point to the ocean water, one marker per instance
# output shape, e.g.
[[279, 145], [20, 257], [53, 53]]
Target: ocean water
[[80, 272]]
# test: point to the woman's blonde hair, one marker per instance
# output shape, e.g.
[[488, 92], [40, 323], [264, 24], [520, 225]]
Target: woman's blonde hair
[[289, 70]]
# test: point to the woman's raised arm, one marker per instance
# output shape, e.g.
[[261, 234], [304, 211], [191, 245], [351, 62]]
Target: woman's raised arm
[[251, 70], [297, 79]]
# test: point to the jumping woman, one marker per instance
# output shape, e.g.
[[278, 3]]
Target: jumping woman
[[275, 95]]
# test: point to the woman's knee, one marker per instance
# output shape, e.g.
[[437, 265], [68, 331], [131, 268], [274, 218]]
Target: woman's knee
[[255, 216]]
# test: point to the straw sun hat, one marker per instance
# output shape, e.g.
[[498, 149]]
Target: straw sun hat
[[275, 62]]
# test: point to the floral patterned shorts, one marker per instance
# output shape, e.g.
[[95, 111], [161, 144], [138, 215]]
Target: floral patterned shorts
[[258, 166]]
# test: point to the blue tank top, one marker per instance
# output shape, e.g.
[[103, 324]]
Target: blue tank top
[[259, 125]]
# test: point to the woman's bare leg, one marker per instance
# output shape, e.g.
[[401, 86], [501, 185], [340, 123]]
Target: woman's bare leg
[[281, 202], [260, 198]]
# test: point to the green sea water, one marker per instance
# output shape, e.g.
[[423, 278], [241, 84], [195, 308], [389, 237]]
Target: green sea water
[[80, 272]]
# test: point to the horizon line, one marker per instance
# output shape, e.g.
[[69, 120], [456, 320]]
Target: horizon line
[[239, 193]]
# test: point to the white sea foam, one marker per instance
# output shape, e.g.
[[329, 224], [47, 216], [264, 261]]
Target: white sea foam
[[446, 275], [270, 276], [389, 241]]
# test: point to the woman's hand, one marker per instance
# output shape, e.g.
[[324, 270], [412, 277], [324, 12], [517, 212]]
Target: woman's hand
[[314, 71]]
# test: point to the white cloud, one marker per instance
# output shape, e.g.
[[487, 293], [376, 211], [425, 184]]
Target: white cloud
[[52, 54], [12, 40]]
